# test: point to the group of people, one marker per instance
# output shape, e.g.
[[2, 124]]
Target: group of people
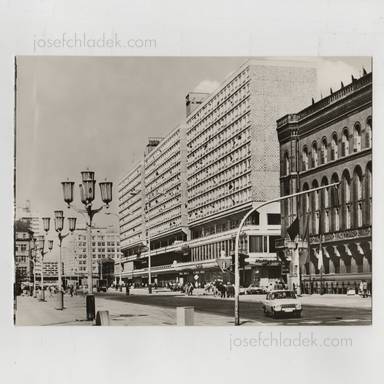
[[219, 288], [363, 289], [48, 290]]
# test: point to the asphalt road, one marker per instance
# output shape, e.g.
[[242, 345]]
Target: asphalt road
[[311, 315]]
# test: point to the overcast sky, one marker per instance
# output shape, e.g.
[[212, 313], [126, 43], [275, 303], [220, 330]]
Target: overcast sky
[[97, 112]]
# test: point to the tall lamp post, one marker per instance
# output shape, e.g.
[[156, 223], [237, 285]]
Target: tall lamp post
[[34, 259], [87, 195], [40, 246], [59, 226], [254, 209]]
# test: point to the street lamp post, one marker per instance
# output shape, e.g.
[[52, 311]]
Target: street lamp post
[[254, 209], [34, 259], [87, 195], [121, 278], [149, 261], [40, 246], [59, 226]]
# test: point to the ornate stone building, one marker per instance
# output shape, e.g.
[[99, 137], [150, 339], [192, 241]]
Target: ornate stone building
[[328, 142]]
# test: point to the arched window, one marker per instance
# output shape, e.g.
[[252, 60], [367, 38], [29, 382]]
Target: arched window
[[325, 214], [345, 143], [305, 159], [336, 218], [335, 203], [357, 138], [346, 180], [286, 164], [324, 149], [358, 196], [348, 217], [315, 161], [368, 190], [306, 200], [315, 209], [334, 149], [326, 221], [358, 192], [347, 189], [368, 133]]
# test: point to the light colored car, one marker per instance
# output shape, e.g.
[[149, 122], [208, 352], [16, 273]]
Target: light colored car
[[254, 289], [279, 302]]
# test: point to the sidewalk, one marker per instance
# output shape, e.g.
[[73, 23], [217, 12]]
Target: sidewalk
[[344, 301], [31, 312], [144, 291]]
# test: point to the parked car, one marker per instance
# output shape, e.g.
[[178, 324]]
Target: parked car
[[253, 289], [282, 302], [101, 286]]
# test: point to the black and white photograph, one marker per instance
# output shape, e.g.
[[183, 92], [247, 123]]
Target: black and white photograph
[[193, 191]]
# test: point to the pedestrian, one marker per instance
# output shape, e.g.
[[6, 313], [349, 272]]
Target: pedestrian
[[71, 290], [365, 289], [361, 288]]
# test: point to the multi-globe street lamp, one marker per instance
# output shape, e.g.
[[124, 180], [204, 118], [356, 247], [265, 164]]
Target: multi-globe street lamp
[[59, 226], [87, 195], [40, 241]]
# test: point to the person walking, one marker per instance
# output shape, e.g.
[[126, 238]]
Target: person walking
[[361, 288], [365, 289]]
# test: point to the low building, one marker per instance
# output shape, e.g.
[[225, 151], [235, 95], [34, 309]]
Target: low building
[[23, 252], [328, 142]]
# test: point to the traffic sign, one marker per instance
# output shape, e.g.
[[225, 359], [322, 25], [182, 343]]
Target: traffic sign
[[224, 263]]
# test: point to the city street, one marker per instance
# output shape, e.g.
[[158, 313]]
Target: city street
[[140, 308], [337, 311]]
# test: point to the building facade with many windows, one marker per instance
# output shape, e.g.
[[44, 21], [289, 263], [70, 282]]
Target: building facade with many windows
[[105, 245], [23, 252], [153, 209], [329, 142], [199, 181]]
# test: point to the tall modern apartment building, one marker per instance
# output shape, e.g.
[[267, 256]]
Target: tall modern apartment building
[[190, 191]]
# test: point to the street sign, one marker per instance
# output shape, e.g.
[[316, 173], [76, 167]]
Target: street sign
[[196, 277], [224, 263]]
